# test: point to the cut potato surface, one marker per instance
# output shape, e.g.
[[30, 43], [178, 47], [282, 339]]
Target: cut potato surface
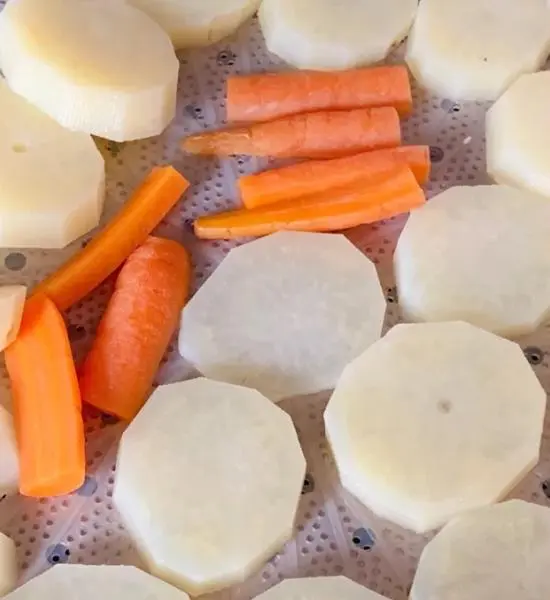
[[198, 22], [68, 582], [284, 314], [517, 147], [208, 481], [8, 563], [319, 588], [334, 34], [477, 254], [12, 300], [474, 49], [500, 551], [101, 67], [435, 419], [9, 458]]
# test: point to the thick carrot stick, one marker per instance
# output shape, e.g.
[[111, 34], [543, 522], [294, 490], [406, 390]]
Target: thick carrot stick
[[325, 134], [149, 204], [46, 402], [357, 203], [315, 176], [268, 96], [136, 328]]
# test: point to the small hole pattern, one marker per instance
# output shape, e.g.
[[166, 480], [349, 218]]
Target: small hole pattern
[[334, 534]]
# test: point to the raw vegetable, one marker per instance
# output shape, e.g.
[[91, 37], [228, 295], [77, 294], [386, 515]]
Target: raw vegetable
[[46, 403], [319, 588], [86, 582], [517, 147], [9, 460], [8, 565], [304, 306], [358, 203], [472, 49], [434, 420], [12, 299], [313, 135], [194, 487], [135, 330], [498, 551], [268, 96], [312, 177], [76, 61], [192, 23], [149, 204], [477, 254], [63, 198], [324, 34]]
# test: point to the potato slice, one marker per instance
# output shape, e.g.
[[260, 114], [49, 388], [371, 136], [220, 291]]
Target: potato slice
[[474, 49], [198, 22], [12, 300], [100, 67], [334, 34], [284, 314], [435, 419], [9, 458], [494, 552], [8, 562], [227, 473], [477, 254], [68, 582], [319, 588]]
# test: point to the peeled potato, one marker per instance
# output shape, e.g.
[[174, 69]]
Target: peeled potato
[[12, 299], [474, 49], [334, 34], [433, 420], [9, 458], [8, 563], [494, 552], [319, 588], [198, 22], [100, 67]]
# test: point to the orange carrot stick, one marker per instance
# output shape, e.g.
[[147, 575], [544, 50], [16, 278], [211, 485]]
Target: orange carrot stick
[[149, 204], [268, 96], [357, 203], [136, 328], [314, 135], [46, 402], [315, 176]]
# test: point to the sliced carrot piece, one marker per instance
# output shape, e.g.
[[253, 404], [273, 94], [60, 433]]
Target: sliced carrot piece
[[46, 402], [325, 134], [149, 204], [267, 96], [310, 177], [136, 328], [357, 203]]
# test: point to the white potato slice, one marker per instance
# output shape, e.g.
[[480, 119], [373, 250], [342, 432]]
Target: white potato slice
[[8, 562], [208, 481], [284, 314], [9, 457], [198, 22], [334, 34], [474, 49], [69, 582], [435, 419], [477, 254], [319, 588], [500, 551], [100, 67], [517, 146], [12, 300], [52, 181]]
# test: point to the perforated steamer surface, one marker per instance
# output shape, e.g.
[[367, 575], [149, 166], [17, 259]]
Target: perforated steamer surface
[[334, 535]]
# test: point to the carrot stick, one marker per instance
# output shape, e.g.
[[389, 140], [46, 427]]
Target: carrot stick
[[268, 96], [46, 402], [315, 176], [357, 203], [136, 328], [314, 135], [149, 204]]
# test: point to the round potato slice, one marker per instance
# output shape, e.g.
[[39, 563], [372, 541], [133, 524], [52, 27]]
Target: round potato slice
[[474, 49], [319, 588], [435, 419], [208, 481], [8, 562], [334, 34], [477, 254], [495, 552], [284, 314], [198, 22], [100, 67]]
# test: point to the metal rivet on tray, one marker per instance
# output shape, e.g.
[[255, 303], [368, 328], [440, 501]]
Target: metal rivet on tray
[[450, 106], [57, 554], [226, 58], [534, 355], [545, 485], [15, 261], [364, 538], [436, 154], [309, 484], [76, 332], [391, 295], [88, 488]]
